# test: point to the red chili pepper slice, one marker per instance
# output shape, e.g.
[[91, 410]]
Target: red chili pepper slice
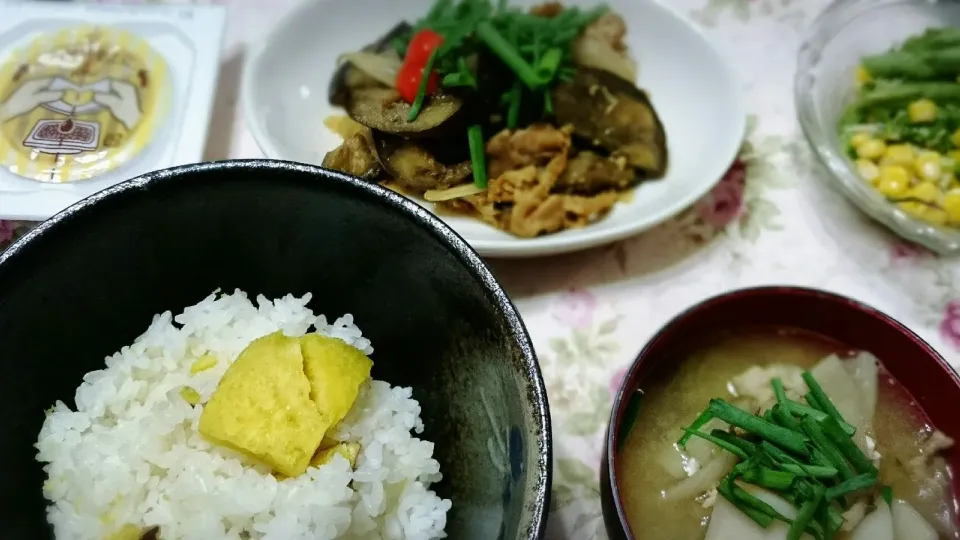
[[422, 46], [411, 72], [408, 82]]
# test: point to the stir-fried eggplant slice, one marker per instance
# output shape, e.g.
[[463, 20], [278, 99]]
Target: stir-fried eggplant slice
[[589, 173], [347, 77], [413, 166], [613, 114], [356, 156], [382, 109]]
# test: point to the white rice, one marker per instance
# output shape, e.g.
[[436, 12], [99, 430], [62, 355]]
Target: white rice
[[131, 453]]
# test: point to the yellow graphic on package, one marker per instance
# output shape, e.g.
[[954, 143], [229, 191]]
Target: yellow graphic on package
[[79, 102]]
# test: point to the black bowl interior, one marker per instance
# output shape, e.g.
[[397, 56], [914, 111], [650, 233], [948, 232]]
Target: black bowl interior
[[89, 281]]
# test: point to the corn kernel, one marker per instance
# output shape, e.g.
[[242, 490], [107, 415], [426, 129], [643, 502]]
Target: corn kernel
[[190, 395], [203, 363], [929, 155], [891, 188], [899, 154], [859, 138], [946, 180], [894, 181], [924, 212], [862, 75], [868, 170], [871, 149], [927, 192], [922, 110], [936, 216], [951, 204], [927, 166], [913, 208]]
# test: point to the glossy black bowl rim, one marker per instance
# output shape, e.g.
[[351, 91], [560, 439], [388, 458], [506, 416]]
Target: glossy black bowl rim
[[608, 473], [396, 202]]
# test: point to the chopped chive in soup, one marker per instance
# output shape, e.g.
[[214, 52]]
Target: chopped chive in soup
[[774, 470], [782, 439]]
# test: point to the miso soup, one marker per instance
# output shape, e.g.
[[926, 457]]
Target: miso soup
[[670, 492]]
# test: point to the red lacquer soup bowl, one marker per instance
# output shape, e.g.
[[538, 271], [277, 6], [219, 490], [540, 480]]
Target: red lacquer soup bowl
[[923, 375]]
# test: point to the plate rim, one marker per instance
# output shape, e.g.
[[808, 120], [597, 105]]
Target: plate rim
[[584, 238]]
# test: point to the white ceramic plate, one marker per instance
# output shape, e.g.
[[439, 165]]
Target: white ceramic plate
[[691, 84]]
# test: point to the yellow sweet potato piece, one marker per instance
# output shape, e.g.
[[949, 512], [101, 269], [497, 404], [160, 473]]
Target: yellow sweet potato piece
[[328, 442], [349, 450], [335, 371], [262, 407], [203, 363], [133, 532]]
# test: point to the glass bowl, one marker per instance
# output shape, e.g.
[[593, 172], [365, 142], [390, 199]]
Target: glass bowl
[[824, 84]]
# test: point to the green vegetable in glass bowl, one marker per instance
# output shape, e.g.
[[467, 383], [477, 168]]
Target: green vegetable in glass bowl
[[903, 128]]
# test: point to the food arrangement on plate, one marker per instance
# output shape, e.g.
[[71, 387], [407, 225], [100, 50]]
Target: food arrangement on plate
[[528, 121], [241, 420], [903, 128]]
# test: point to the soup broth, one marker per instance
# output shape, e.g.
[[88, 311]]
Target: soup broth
[[679, 391]]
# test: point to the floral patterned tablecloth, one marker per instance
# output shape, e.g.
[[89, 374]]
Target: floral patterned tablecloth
[[771, 220]]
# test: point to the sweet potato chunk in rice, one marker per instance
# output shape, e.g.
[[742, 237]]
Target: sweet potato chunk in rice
[[524, 166]]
